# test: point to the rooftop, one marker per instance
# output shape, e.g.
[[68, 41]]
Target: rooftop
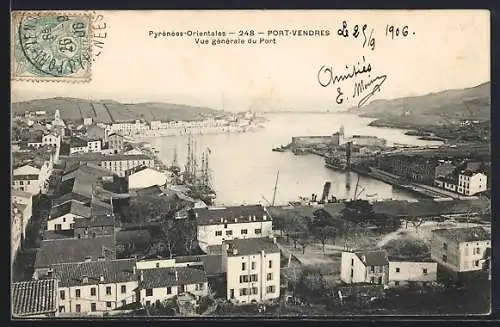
[[74, 250], [212, 263], [55, 235], [77, 142], [95, 221], [34, 297], [373, 258], [467, 234], [73, 207], [237, 214], [165, 277], [89, 157], [112, 271], [251, 246]]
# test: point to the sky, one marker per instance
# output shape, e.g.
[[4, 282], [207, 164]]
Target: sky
[[444, 49]]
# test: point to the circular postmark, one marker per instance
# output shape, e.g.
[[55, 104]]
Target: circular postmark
[[54, 45]]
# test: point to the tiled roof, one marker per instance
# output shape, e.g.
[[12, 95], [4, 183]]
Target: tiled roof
[[113, 271], [134, 170], [77, 142], [55, 235], [89, 157], [34, 297], [154, 189], [71, 197], [251, 246], [212, 263], [211, 216], [466, 234], [165, 277], [95, 221], [73, 207], [30, 177], [74, 250], [373, 258]]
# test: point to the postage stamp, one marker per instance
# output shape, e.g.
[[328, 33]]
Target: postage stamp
[[49, 46]]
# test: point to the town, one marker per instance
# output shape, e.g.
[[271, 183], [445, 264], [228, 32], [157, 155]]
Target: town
[[101, 227]]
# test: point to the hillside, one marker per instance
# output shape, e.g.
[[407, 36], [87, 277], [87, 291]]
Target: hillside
[[107, 111], [446, 107]]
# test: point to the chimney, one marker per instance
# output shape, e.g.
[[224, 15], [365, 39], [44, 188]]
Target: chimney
[[134, 270], [176, 275], [364, 258], [85, 279], [274, 240], [235, 220], [101, 278], [235, 251], [142, 276], [264, 217]]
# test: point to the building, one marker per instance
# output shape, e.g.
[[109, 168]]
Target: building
[[26, 179], [35, 142], [95, 286], [96, 225], [460, 250], [96, 132], [115, 142], [216, 225], [471, 183], [51, 139], [155, 124], [24, 200], [117, 164], [404, 272], [94, 145], [34, 299], [16, 230], [78, 145], [67, 250], [252, 268], [63, 216], [158, 284], [411, 167], [367, 140], [142, 177], [364, 267]]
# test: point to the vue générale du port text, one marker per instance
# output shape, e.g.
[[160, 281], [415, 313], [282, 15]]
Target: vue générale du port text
[[247, 36]]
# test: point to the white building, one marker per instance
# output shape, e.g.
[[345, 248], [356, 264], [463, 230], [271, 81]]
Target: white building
[[94, 145], [25, 200], [252, 269], [119, 163], [403, 272], [160, 283], [155, 124], [87, 121], [142, 177], [51, 139], [96, 285], [364, 267], [62, 217], [460, 250], [470, 183], [26, 179], [216, 225], [16, 230], [78, 145]]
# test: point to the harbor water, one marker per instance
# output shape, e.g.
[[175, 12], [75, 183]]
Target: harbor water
[[243, 168]]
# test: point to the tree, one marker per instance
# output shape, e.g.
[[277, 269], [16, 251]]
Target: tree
[[312, 281], [279, 222], [186, 229], [295, 228], [170, 236], [358, 211]]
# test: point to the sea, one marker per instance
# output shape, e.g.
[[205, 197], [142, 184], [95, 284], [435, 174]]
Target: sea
[[244, 169]]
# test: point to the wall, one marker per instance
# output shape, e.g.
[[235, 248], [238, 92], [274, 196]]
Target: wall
[[150, 264], [412, 271], [478, 183], [452, 252], [28, 210], [94, 231], [30, 186], [160, 293], [469, 256], [346, 266], [304, 141], [261, 269], [100, 298], [66, 222], [206, 233], [120, 166]]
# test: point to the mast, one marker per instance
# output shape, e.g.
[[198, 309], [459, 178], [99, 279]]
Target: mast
[[174, 160], [275, 187], [356, 189]]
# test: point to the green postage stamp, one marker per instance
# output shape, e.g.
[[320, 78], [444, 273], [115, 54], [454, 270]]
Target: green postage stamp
[[49, 46]]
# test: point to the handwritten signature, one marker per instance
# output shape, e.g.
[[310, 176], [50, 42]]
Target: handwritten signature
[[327, 77], [362, 86]]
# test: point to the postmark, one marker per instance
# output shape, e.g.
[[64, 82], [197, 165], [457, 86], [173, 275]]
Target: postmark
[[52, 46]]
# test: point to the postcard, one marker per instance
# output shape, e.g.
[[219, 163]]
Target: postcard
[[267, 163]]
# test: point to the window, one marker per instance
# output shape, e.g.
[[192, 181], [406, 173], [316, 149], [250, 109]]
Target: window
[[243, 291], [108, 290], [424, 271], [372, 268], [478, 250], [258, 231], [445, 246], [270, 289], [169, 290], [255, 290], [64, 219], [124, 289], [270, 276], [77, 293], [78, 308], [157, 265], [244, 231], [71, 226], [93, 307], [254, 278], [352, 262], [445, 258], [218, 233], [148, 303], [242, 266], [61, 308], [396, 283], [372, 280], [229, 232], [62, 295], [476, 263], [199, 287], [253, 265], [124, 303], [270, 263], [92, 291], [244, 278], [352, 273], [149, 292], [58, 227], [398, 270], [225, 225], [108, 304]]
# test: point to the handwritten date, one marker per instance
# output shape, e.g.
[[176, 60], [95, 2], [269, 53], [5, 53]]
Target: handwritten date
[[357, 30]]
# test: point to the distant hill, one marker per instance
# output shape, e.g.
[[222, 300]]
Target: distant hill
[[436, 108], [107, 111]]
